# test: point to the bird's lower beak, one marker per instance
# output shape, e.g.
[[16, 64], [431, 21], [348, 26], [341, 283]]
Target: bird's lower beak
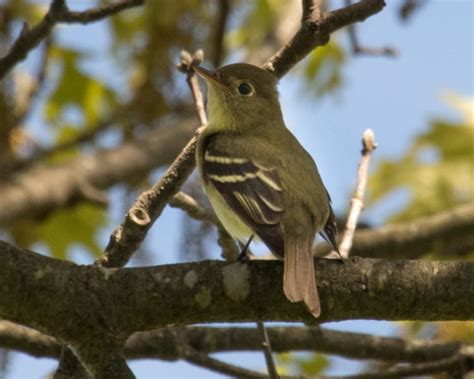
[[207, 74]]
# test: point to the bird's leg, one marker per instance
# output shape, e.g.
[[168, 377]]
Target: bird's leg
[[243, 257], [340, 259]]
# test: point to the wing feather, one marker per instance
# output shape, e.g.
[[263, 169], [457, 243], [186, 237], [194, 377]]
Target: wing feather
[[251, 190]]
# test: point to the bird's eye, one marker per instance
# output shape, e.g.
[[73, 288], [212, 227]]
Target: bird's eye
[[245, 89]]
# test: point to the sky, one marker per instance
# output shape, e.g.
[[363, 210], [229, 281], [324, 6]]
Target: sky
[[395, 97]]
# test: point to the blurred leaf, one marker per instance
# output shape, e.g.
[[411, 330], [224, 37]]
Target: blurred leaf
[[456, 331], [30, 12], [77, 89], [313, 365], [323, 68], [310, 364], [63, 229], [438, 170], [258, 17]]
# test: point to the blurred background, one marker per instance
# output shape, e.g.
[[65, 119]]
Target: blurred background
[[407, 73]]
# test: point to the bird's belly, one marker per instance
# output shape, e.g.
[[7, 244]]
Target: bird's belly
[[229, 219]]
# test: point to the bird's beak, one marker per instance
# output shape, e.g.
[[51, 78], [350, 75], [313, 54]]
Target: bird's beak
[[207, 74]]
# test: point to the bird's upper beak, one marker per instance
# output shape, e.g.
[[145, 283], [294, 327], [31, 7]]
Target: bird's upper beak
[[207, 74]]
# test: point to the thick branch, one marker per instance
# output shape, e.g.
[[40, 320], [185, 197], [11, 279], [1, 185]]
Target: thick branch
[[162, 343], [58, 12], [314, 33], [443, 233], [104, 301], [40, 190]]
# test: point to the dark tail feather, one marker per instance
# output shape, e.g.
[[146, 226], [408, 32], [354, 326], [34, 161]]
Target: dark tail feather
[[299, 282], [329, 232]]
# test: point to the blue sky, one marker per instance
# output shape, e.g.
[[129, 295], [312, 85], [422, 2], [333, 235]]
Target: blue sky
[[396, 97]]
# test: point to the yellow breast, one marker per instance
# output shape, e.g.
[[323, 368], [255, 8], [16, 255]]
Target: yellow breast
[[229, 219]]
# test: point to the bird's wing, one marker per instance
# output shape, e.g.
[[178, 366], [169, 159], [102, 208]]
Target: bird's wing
[[253, 192]]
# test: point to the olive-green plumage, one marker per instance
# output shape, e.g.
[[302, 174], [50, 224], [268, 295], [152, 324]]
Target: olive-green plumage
[[259, 179]]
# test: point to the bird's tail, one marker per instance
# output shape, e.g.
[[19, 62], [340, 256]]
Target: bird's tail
[[299, 282]]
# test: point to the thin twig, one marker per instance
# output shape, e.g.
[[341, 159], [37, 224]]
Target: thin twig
[[187, 62], [358, 49], [57, 13], [94, 14], [218, 45], [37, 86], [267, 351], [41, 153], [408, 8], [455, 365], [203, 360], [192, 208], [357, 203]]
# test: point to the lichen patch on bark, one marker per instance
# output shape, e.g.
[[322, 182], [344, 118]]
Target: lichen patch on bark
[[236, 281]]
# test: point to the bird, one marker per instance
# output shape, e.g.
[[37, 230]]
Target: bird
[[259, 180]]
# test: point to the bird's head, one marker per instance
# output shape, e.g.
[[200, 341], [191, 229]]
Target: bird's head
[[240, 95]]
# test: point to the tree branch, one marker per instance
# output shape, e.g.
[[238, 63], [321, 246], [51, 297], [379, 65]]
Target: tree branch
[[128, 236], [162, 343], [219, 31], [316, 33], [267, 351], [357, 48], [357, 201], [202, 360], [149, 205], [442, 233], [57, 13], [36, 191], [124, 301], [458, 364], [311, 11], [192, 208]]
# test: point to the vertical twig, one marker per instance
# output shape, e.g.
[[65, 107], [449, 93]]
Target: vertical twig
[[358, 49], [267, 351], [186, 65], [222, 17], [357, 202]]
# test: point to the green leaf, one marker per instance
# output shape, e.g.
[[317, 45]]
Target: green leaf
[[310, 364], [258, 19], [313, 365], [322, 69], [444, 180], [77, 89], [63, 229]]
